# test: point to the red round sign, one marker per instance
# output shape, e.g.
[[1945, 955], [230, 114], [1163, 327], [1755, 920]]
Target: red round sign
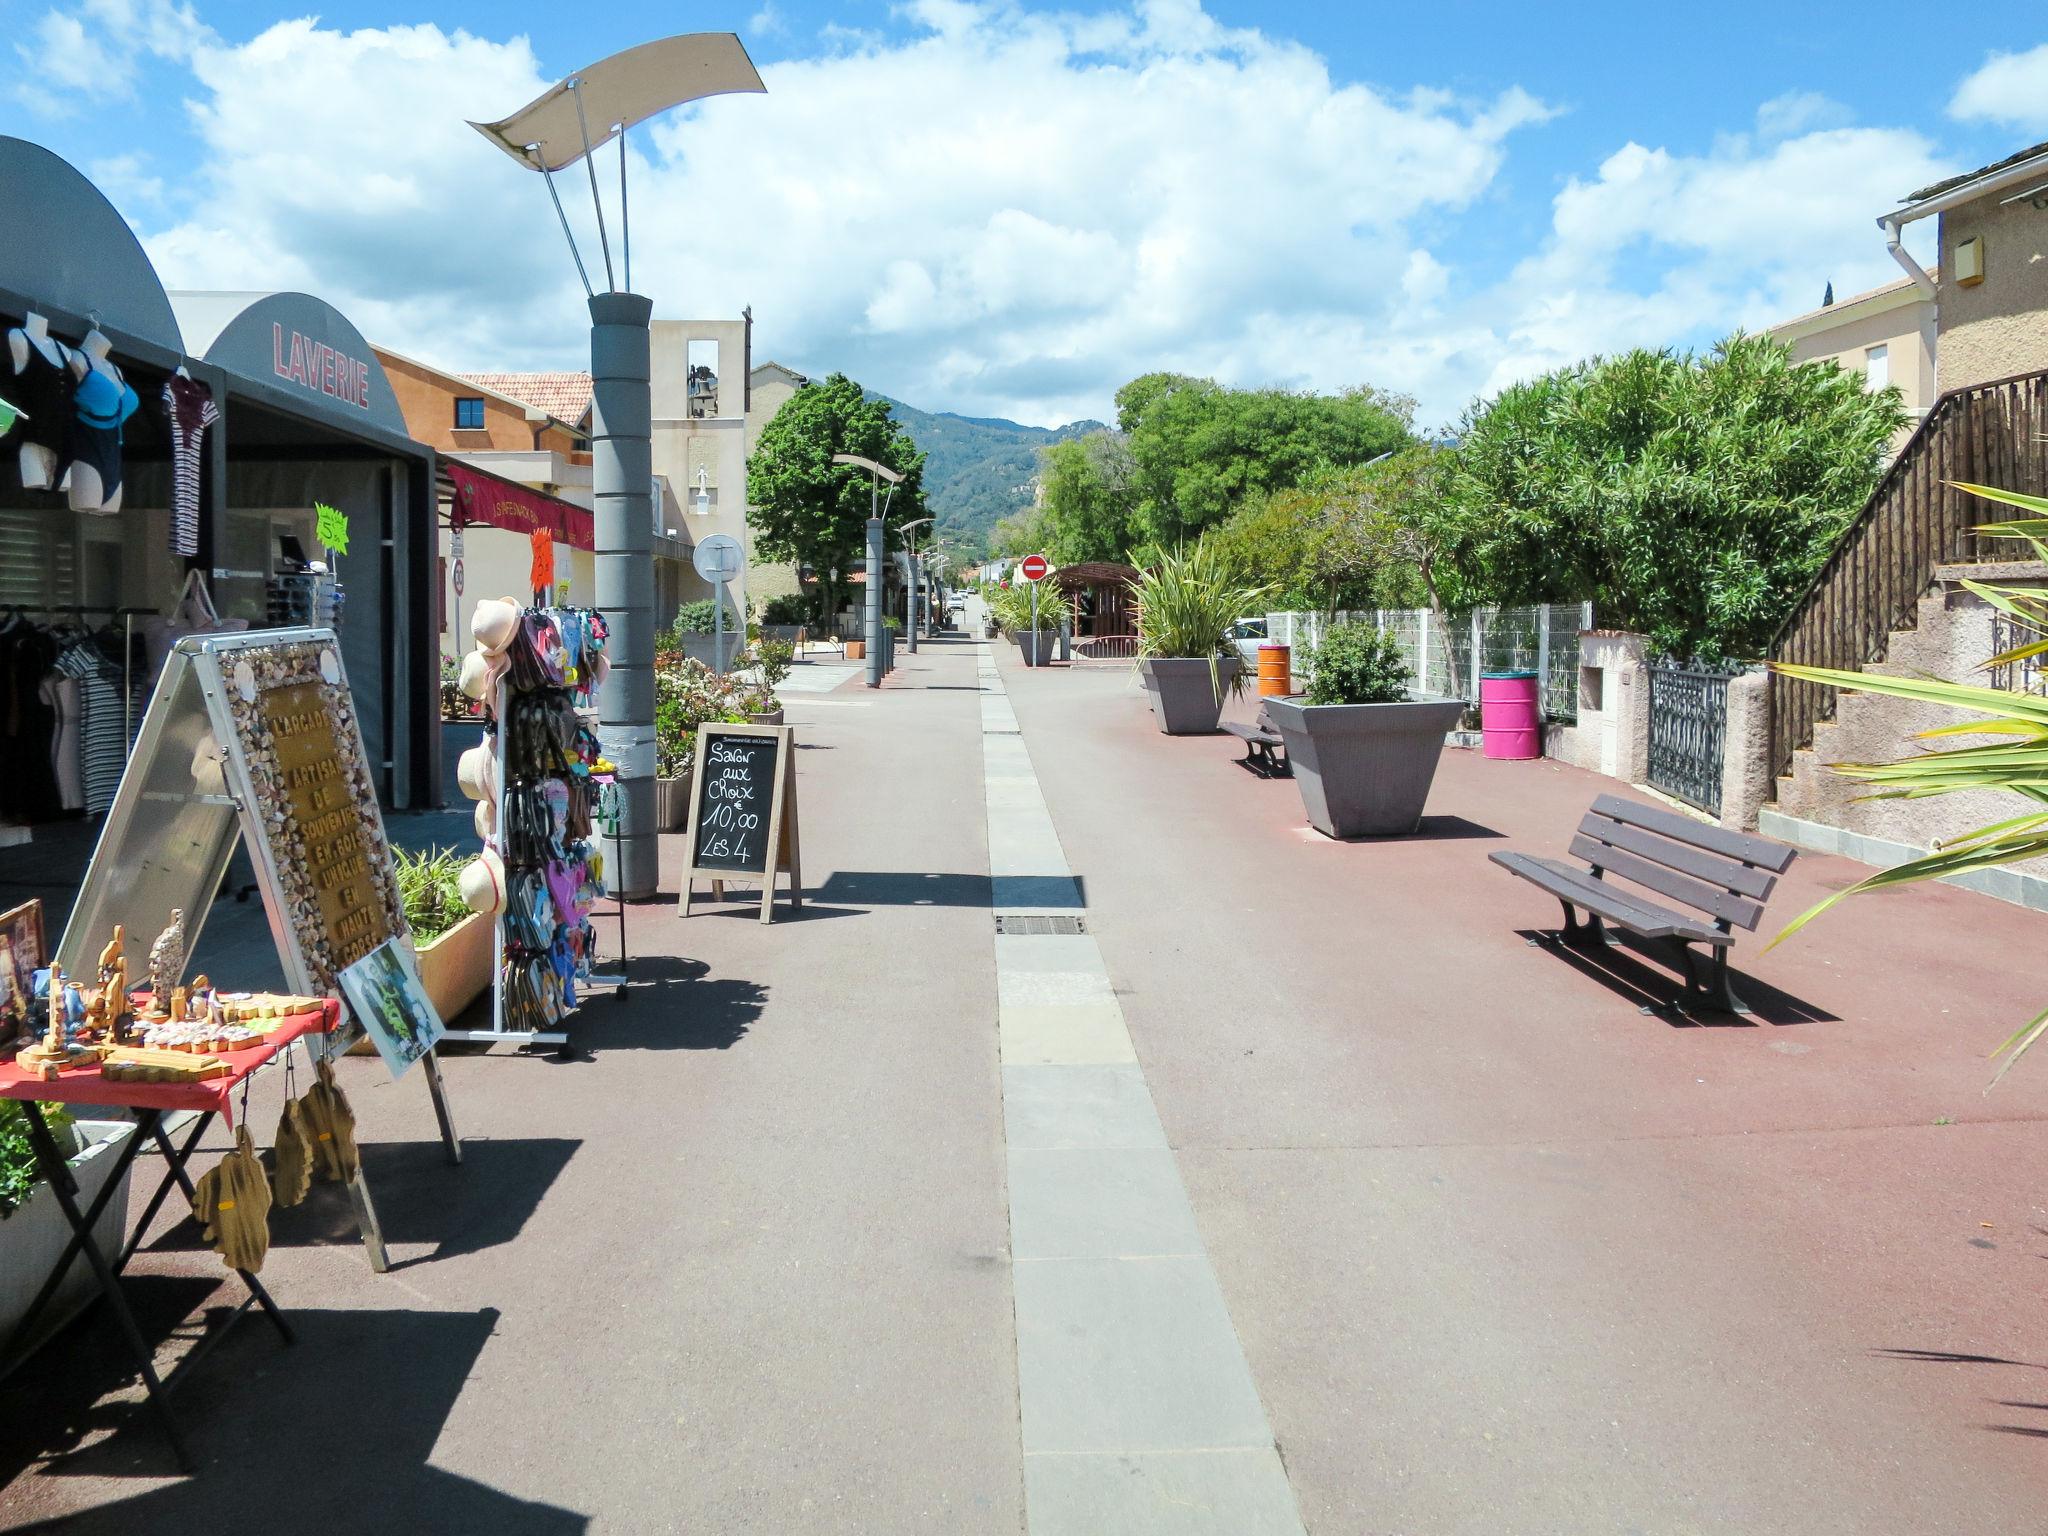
[[1034, 567]]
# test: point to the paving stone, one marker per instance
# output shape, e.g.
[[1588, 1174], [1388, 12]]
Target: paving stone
[[1189, 1493], [1104, 1106], [1095, 1204]]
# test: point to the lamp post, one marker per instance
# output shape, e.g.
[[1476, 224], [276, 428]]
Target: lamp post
[[877, 511], [914, 586], [551, 133]]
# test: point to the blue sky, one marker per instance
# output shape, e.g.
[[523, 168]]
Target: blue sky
[[1010, 210]]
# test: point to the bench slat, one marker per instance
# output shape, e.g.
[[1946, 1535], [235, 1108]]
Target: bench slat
[[1632, 912], [1760, 851], [1665, 881], [1743, 879], [1252, 733]]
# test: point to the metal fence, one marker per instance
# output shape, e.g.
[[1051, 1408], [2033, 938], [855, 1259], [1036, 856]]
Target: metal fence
[[2026, 674], [1688, 734], [1447, 656]]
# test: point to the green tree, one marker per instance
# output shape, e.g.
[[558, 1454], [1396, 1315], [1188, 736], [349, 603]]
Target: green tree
[[807, 510], [1689, 498], [1088, 498], [1199, 450]]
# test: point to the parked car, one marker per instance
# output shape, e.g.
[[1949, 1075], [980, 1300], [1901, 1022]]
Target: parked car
[[1248, 629]]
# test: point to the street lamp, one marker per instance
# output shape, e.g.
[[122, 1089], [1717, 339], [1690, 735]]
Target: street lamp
[[910, 556], [877, 473], [551, 133]]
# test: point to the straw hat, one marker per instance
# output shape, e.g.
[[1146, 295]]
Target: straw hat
[[480, 673], [486, 819], [483, 882], [495, 623], [477, 772]]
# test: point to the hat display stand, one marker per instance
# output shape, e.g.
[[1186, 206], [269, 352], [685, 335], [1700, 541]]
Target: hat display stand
[[524, 1008]]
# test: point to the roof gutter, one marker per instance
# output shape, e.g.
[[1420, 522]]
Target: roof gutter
[[1893, 224]]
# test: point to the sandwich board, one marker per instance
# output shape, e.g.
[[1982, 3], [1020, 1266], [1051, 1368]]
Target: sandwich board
[[743, 818], [253, 737]]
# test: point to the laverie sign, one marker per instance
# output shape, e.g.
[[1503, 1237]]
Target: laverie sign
[[299, 359]]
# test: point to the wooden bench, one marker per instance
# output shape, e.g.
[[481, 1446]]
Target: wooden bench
[[1727, 876], [1265, 751]]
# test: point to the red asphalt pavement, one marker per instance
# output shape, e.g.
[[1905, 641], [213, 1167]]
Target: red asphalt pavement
[[1508, 1255]]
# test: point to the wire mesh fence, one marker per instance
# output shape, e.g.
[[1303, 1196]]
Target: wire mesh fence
[[1448, 655]]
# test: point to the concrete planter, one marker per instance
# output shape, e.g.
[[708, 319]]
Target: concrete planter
[[1187, 694], [786, 633], [1364, 770], [33, 1237], [672, 802], [1038, 649], [456, 967], [704, 648]]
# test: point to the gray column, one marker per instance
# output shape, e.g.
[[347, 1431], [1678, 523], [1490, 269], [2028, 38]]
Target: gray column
[[877, 574], [622, 478], [916, 590]]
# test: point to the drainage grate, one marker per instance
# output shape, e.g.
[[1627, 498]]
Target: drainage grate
[[1019, 923]]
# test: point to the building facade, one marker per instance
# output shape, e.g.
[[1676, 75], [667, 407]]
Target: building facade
[[1885, 336]]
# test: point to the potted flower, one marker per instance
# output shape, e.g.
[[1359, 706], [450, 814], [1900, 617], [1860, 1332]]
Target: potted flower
[[1186, 605], [33, 1231], [1363, 749], [453, 942]]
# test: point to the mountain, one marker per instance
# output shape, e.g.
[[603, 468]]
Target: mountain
[[977, 468]]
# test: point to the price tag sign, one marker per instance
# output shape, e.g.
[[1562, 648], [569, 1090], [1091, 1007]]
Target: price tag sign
[[542, 576], [330, 527]]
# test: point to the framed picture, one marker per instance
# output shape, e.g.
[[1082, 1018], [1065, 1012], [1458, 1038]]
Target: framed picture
[[21, 955], [384, 991]]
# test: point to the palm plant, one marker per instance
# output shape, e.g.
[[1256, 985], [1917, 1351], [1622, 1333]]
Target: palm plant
[[2017, 762], [1186, 602]]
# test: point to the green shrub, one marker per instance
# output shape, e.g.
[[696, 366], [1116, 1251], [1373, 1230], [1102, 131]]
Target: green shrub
[[1012, 608], [774, 657], [1357, 664], [698, 618], [430, 889], [19, 1174], [786, 608]]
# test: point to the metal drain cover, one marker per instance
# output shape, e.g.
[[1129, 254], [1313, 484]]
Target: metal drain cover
[[1023, 923]]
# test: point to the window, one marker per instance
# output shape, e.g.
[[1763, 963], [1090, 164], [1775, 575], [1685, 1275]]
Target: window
[[469, 413], [1877, 366]]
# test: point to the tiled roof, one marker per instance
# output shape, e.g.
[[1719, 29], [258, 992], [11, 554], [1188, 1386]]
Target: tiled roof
[[565, 396], [1956, 181], [1856, 298]]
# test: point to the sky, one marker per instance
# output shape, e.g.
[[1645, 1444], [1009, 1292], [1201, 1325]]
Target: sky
[[1008, 209]]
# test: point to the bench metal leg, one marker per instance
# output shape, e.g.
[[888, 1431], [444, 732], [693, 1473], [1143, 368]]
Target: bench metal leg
[[1721, 993]]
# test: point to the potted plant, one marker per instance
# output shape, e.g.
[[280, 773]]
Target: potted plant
[[1011, 609], [1363, 749], [453, 942], [696, 632], [782, 616], [33, 1231], [1186, 605]]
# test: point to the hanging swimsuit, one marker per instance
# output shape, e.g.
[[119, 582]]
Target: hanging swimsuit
[[42, 391], [103, 403]]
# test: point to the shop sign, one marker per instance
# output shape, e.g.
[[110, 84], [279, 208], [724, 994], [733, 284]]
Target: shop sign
[[315, 365]]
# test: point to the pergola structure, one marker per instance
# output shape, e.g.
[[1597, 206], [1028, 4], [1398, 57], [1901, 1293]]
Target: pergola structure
[[1101, 597]]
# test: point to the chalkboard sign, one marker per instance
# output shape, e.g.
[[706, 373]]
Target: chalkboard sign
[[738, 775], [743, 819]]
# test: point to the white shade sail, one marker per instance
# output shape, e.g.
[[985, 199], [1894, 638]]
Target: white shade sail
[[627, 88]]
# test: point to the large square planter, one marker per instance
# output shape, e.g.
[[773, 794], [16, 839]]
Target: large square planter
[[672, 801], [456, 967], [1187, 692], [1364, 770], [704, 648], [33, 1237], [1040, 649]]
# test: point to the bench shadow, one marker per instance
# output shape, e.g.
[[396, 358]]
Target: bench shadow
[[1652, 987], [383, 1381]]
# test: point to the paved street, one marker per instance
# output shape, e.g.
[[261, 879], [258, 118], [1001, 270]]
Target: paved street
[[1295, 1192]]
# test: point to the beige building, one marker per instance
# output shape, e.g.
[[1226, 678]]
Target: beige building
[[1990, 286], [1885, 336], [768, 387]]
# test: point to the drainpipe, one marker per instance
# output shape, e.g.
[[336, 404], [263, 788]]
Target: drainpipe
[[1893, 225]]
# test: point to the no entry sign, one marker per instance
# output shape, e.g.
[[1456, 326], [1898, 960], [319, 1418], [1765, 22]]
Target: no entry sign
[[1034, 567]]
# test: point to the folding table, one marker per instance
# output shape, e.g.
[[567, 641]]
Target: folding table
[[150, 1102]]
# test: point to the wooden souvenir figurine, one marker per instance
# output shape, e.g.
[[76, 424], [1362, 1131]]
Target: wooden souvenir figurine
[[232, 1202], [167, 957]]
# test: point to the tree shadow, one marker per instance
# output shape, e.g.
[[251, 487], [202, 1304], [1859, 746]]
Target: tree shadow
[[338, 1439], [1655, 990], [1956, 1357], [675, 1005]]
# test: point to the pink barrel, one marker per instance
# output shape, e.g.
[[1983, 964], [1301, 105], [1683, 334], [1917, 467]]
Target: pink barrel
[[1511, 715]]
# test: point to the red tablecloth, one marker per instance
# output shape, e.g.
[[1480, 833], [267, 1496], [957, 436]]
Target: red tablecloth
[[88, 1085]]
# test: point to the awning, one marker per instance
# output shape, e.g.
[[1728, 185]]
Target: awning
[[495, 502]]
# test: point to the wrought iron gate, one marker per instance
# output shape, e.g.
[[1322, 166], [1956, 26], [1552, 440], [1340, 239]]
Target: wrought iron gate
[[1688, 734]]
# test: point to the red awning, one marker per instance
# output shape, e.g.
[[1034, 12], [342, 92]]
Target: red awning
[[495, 502]]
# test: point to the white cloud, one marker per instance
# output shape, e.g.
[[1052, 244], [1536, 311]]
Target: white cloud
[[1010, 213], [1798, 112], [2010, 89], [74, 59]]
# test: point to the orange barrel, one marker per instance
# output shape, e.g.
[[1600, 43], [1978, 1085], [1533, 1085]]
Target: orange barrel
[[1276, 670]]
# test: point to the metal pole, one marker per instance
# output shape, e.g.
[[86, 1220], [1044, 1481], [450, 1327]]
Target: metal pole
[[874, 599], [622, 480], [1035, 657], [916, 589], [625, 214], [590, 164], [576, 255], [718, 626]]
